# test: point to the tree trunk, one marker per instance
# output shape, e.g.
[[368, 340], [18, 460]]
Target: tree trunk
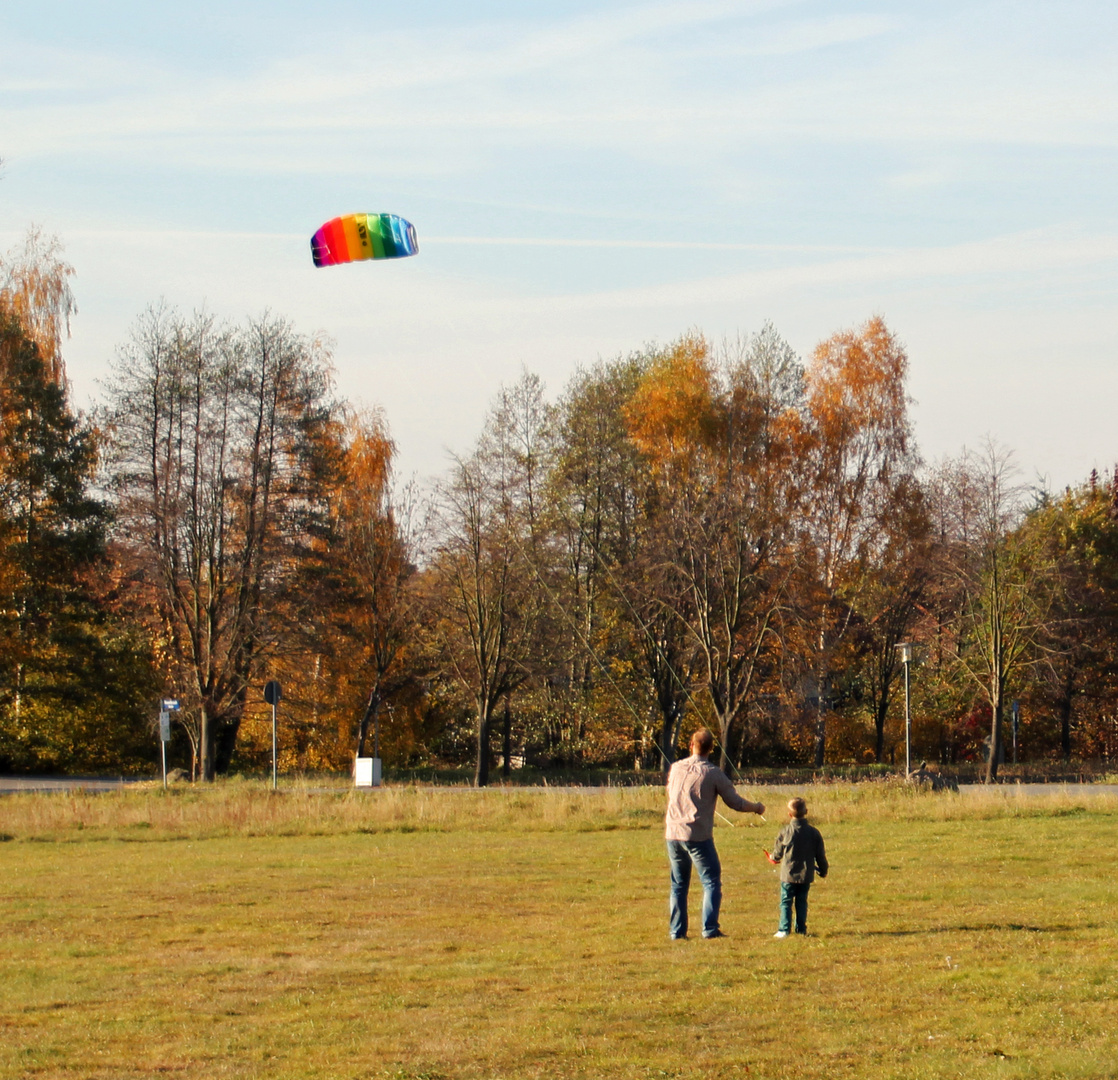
[[372, 710], [207, 752], [995, 754], [1064, 703], [224, 745], [481, 772], [824, 690], [881, 711], [879, 728], [506, 743], [668, 735], [724, 762]]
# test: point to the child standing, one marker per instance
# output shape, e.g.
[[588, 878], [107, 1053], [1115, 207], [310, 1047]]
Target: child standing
[[799, 853]]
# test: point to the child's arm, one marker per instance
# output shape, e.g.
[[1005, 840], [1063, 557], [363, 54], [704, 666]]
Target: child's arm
[[777, 854]]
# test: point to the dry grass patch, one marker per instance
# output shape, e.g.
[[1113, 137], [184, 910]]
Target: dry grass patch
[[147, 812], [249, 809]]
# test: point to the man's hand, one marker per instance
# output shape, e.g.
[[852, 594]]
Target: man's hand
[[759, 808]]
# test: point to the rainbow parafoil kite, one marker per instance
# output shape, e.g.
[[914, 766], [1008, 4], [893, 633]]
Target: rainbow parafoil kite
[[363, 236]]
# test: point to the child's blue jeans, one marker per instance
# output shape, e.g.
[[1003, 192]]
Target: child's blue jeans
[[792, 892]]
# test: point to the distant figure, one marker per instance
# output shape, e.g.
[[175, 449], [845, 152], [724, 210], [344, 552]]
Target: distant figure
[[694, 785], [799, 854]]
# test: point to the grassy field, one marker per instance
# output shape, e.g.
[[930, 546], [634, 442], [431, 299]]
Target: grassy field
[[421, 934]]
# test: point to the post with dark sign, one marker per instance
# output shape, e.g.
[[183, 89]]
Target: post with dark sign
[[272, 695], [1015, 711], [165, 708]]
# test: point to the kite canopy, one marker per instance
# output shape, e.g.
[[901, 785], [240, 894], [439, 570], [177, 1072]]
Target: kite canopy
[[363, 236]]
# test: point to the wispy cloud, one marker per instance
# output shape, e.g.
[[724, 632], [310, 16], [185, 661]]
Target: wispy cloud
[[647, 78], [1046, 252]]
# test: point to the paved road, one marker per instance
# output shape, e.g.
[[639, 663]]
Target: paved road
[[1009, 790], [10, 784], [1043, 789]]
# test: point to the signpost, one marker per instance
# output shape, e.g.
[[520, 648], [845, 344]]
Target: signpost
[[908, 651], [167, 706], [1015, 712], [272, 695]]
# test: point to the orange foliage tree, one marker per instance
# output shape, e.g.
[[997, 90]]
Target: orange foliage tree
[[35, 290], [721, 435], [859, 462]]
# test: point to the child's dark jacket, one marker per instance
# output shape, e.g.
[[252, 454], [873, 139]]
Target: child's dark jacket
[[799, 849]]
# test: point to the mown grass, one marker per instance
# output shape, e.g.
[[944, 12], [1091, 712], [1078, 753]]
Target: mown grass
[[411, 933]]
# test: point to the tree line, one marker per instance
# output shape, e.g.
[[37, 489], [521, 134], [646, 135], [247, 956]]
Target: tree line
[[718, 534]]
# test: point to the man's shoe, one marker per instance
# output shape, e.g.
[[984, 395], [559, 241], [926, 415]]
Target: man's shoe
[[717, 933], [679, 937], [781, 934]]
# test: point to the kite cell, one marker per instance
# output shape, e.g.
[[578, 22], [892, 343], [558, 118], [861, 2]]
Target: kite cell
[[363, 236]]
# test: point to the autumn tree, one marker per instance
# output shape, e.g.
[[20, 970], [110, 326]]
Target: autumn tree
[[858, 464], [1078, 669], [216, 437], [591, 498], [627, 649], [1005, 580], [485, 602], [891, 602], [727, 504], [379, 534]]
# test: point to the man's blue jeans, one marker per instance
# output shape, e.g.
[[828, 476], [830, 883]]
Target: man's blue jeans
[[682, 855], [793, 893]]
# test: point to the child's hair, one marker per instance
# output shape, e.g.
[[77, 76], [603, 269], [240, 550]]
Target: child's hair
[[702, 741], [797, 807]]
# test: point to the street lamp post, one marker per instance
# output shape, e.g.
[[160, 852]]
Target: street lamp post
[[908, 650]]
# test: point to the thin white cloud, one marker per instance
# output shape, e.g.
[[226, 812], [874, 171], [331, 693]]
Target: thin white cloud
[[438, 96], [790, 37], [1046, 252]]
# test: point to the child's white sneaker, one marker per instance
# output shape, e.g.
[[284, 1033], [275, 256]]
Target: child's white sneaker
[[781, 933]]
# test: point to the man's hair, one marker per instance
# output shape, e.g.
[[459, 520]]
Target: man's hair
[[798, 807], [702, 741]]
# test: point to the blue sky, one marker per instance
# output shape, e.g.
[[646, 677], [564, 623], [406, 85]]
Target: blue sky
[[585, 178]]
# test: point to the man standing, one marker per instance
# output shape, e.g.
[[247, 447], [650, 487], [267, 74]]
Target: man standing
[[694, 785]]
